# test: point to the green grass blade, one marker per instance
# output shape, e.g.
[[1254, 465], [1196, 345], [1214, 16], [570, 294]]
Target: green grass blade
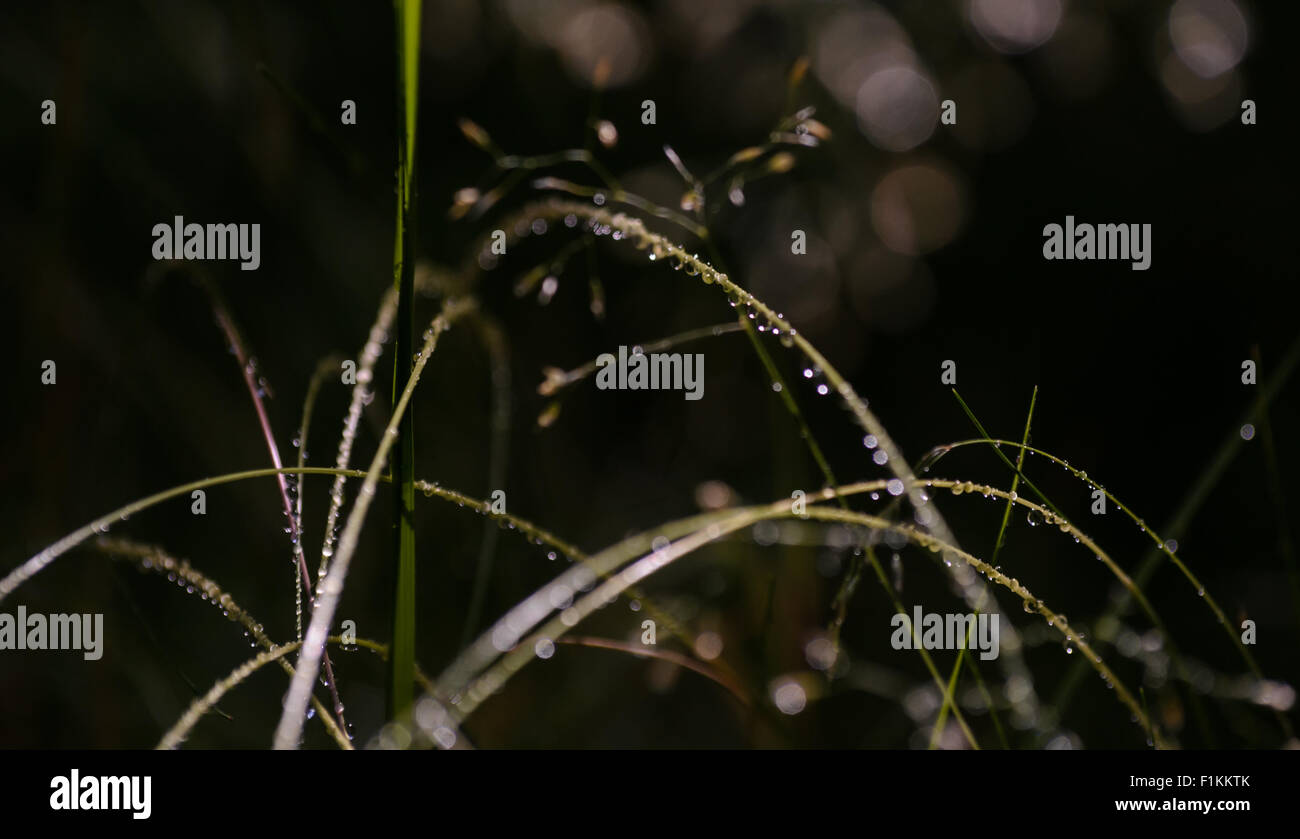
[[997, 548], [1015, 480], [401, 664], [998, 451]]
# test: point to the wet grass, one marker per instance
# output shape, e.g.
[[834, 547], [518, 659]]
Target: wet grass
[[425, 712]]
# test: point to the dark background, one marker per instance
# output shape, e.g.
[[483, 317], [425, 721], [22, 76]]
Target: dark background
[[162, 110]]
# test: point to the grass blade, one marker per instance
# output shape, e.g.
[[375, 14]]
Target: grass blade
[[401, 664], [997, 548]]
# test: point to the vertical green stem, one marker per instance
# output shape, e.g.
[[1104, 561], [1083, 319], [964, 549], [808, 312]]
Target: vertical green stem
[[401, 663]]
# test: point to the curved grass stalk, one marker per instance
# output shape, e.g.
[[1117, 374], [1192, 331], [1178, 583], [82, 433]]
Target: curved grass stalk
[[1065, 526], [1050, 518], [568, 549], [636, 543], [662, 248], [102, 524], [289, 730], [155, 559], [556, 380], [698, 190], [624, 227], [39, 561], [470, 680], [152, 558], [506, 632], [1160, 543], [178, 733], [1031, 603]]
